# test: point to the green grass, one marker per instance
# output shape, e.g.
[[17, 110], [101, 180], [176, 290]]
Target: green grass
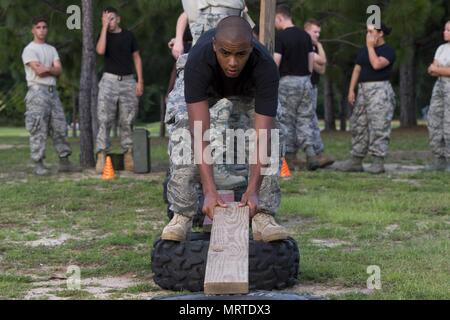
[[398, 221]]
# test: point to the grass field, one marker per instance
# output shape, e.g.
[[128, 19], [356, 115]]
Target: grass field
[[343, 224]]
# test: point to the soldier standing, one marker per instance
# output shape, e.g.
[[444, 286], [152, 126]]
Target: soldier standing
[[118, 87], [295, 57], [374, 106], [313, 28], [44, 113], [439, 114]]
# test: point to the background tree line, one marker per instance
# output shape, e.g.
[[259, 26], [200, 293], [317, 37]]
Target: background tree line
[[417, 32]]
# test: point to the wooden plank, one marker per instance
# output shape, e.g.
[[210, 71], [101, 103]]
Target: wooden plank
[[228, 197], [267, 24], [227, 264]]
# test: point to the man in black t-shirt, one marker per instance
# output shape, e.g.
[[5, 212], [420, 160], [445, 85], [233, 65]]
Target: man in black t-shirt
[[227, 65], [118, 87], [313, 28], [294, 55]]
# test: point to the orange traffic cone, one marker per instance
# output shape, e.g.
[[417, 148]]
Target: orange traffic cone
[[285, 172], [108, 171]]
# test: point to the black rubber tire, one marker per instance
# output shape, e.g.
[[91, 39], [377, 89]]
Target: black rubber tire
[[252, 296], [180, 266]]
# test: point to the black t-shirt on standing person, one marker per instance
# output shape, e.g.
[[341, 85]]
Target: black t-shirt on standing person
[[315, 77], [119, 53], [294, 45], [204, 79], [368, 73]]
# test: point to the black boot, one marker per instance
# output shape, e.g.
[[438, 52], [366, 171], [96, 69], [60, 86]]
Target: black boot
[[66, 166]]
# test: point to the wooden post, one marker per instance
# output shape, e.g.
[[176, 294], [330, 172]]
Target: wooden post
[[227, 264], [267, 24], [162, 126]]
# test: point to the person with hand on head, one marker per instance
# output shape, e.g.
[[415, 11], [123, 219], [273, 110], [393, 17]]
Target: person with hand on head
[[373, 107], [439, 113], [118, 87]]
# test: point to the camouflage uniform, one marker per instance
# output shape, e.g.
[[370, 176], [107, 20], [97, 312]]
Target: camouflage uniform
[[316, 138], [439, 119], [45, 115], [184, 177], [116, 92], [371, 119], [208, 18], [296, 101]]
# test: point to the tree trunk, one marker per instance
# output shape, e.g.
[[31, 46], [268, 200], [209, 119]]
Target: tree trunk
[[267, 24], [408, 117], [343, 112], [330, 123], [85, 95], [162, 127], [94, 99], [74, 115]]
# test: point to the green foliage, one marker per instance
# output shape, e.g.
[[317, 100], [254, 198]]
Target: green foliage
[[416, 23]]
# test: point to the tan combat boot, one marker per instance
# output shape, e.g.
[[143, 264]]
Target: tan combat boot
[[101, 159], [128, 161], [177, 229], [324, 160], [266, 229]]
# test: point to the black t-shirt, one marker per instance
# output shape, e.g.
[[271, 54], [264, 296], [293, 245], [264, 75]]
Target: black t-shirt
[[294, 45], [368, 73], [119, 53], [315, 77], [205, 80]]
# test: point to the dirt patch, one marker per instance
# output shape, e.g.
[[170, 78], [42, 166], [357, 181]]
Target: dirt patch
[[100, 288], [329, 243], [323, 290], [295, 221], [50, 242], [12, 146]]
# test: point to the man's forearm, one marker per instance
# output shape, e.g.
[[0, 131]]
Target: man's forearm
[[138, 67], [354, 81], [443, 72], [263, 126], [101, 44]]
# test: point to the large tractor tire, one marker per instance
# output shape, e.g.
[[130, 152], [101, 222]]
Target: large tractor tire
[[181, 266]]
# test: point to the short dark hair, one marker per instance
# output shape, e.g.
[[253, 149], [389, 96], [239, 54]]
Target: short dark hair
[[386, 30], [312, 22], [284, 10], [111, 10], [38, 19]]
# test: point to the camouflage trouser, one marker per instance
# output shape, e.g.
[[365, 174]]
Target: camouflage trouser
[[296, 101], [45, 116], [371, 119], [184, 177], [316, 138], [207, 21], [114, 93], [439, 119]]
